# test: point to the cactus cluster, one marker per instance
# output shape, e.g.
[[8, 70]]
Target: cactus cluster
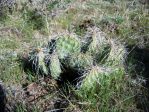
[[67, 51]]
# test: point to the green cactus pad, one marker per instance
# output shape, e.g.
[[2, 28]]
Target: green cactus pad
[[99, 42], [66, 46], [99, 77], [81, 61], [38, 60], [99, 47], [55, 68], [117, 54], [41, 62]]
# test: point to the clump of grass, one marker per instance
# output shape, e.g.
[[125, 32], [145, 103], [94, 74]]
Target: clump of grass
[[34, 19], [20, 107], [11, 71], [26, 21], [16, 22], [109, 91], [50, 6]]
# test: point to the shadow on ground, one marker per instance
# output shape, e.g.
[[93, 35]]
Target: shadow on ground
[[2, 99], [140, 60]]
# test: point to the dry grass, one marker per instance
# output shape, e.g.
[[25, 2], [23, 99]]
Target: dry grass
[[31, 26]]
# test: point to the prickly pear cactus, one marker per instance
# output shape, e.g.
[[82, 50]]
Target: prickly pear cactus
[[37, 58], [113, 67], [93, 77], [55, 66], [117, 54], [81, 60], [67, 46], [99, 42], [98, 77], [67, 50]]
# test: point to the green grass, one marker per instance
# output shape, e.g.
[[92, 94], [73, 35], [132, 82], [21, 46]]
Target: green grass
[[124, 20], [23, 108], [10, 67], [113, 93]]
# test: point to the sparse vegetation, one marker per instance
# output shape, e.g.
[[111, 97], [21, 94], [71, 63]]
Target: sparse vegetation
[[75, 55]]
